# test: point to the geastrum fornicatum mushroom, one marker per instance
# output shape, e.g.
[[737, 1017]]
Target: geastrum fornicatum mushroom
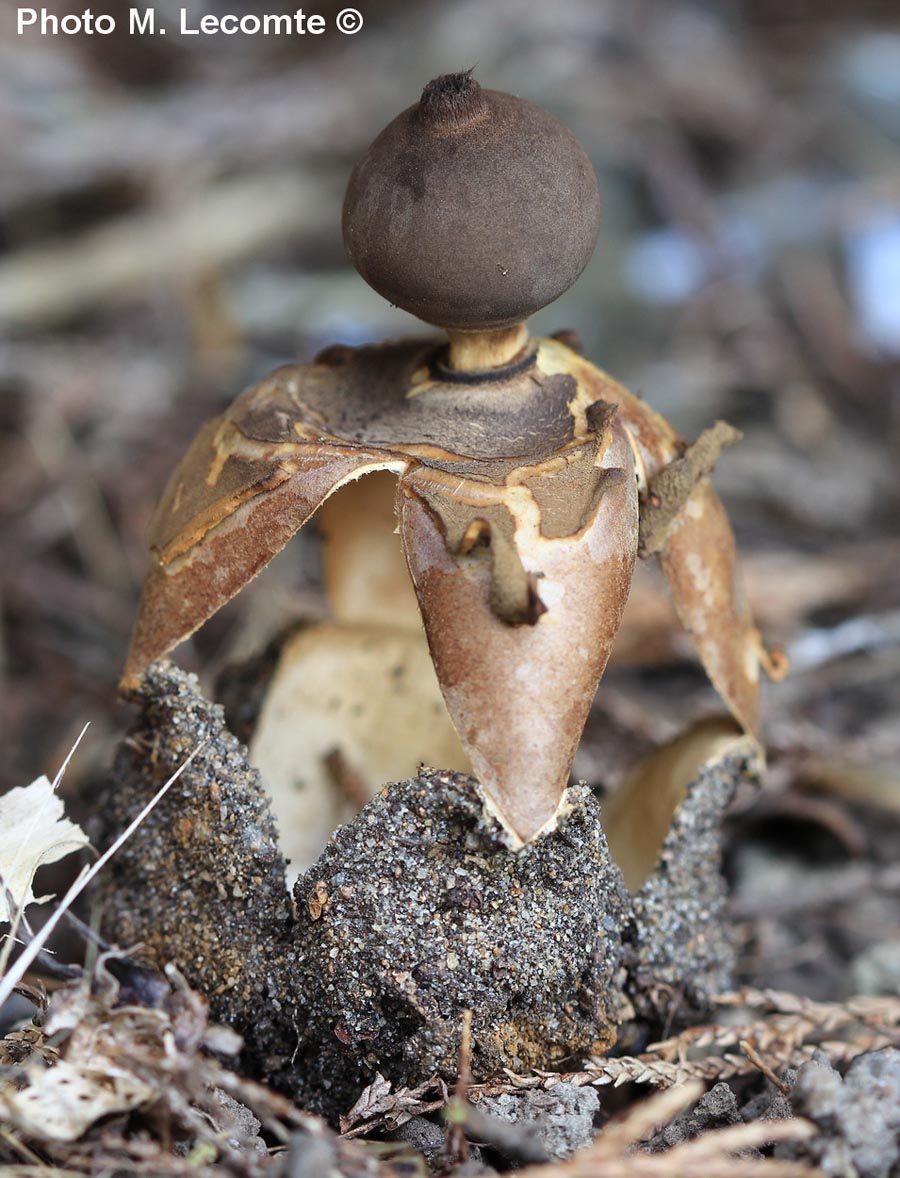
[[526, 480]]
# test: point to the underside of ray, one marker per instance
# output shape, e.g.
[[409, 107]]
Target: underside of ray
[[519, 694], [699, 559], [181, 594]]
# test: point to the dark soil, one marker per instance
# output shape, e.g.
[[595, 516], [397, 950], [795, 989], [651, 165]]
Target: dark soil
[[414, 913]]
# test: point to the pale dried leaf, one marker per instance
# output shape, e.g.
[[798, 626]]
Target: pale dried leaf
[[60, 1103], [378, 1105], [372, 1100], [33, 831]]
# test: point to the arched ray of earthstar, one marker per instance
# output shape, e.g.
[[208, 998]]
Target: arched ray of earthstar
[[528, 481]]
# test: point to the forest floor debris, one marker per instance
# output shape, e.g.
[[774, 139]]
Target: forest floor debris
[[747, 159]]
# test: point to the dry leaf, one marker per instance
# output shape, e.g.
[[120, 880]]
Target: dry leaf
[[33, 831], [60, 1103]]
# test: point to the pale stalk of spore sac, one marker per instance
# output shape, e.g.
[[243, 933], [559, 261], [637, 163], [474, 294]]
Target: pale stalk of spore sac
[[23, 963]]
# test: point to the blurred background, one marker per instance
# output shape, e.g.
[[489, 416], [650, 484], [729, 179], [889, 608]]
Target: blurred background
[[170, 230]]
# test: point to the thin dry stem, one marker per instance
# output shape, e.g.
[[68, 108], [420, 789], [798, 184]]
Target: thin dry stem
[[613, 1153], [753, 1055]]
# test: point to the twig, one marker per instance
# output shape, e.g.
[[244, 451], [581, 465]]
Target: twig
[[756, 1059], [517, 1142], [225, 223], [455, 1114], [835, 888], [710, 1155], [642, 1118], [45, 959]]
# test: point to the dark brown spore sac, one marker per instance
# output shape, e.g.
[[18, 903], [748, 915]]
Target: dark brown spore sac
[[472, 209]]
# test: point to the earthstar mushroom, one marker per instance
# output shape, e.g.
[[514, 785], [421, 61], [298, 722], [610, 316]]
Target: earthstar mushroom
[[527, 480]]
